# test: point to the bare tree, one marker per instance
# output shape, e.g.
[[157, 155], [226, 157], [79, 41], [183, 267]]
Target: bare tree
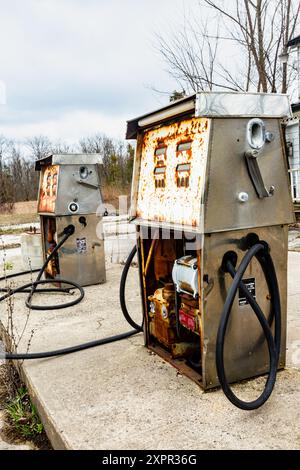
[[99, 143], [6, 188], [191, 54], [3, 148], [258, 30], [59, 147], [117, 158], [39, 147], [19, 180]]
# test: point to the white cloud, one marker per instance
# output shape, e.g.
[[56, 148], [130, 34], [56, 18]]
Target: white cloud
[[63, 59], [70, 126], [74, 67], [2, 92]]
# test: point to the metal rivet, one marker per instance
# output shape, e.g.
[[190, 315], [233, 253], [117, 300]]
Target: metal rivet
[[270, 137], [272, 190], [243, 197]]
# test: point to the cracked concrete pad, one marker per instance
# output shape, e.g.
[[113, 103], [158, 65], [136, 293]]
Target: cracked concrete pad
[[120, 396]]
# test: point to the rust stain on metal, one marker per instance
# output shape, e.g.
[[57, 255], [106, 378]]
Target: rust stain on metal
[[172, 172]]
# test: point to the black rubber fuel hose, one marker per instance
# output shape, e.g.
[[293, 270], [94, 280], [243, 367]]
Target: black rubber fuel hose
[[122, 291], [261, 252], [32, 289], [32, 286], [70, 350]]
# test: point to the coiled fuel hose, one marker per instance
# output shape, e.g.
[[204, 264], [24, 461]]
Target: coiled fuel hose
[[260, 251], [32, 288]]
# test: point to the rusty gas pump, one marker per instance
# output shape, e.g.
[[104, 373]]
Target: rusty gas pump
[[70, 194], [211, 204]]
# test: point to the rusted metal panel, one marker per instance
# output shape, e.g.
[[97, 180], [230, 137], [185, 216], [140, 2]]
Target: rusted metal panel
[[172, 172], [48, 188]]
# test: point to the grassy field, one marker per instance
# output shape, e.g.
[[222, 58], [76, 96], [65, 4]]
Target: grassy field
[[14, 219], [23, 213]]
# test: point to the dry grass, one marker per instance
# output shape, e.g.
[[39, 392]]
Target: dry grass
[[9, 382], [15, 219], [111, 193], [23, 213], [26, 207]]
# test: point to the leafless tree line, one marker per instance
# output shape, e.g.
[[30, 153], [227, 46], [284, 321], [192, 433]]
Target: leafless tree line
[[256, 32], [19, 180]]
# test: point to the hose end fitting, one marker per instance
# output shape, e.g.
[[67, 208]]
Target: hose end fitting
[[69, 230], [230, 256]]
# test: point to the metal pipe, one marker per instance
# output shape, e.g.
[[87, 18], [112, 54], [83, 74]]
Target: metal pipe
[[153, 245]]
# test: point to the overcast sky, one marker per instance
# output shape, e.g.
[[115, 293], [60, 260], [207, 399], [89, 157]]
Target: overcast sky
[[75, 67]]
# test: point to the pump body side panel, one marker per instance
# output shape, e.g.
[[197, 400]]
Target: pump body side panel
[[246, 353], [81, 259], [85, 192], [227, 176]]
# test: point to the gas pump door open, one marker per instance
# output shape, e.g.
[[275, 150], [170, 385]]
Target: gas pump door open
[[70, 193], [210, 171]]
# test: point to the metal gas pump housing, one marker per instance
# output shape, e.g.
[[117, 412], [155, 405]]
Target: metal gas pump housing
[[70, 194], [209, 170]]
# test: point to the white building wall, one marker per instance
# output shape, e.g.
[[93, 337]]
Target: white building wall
[[293, 145], [292, 136]]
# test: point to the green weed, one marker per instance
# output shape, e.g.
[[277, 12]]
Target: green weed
[[23, 415], [8, 266]]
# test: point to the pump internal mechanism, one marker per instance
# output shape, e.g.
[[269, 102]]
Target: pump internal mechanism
[[171, 275]]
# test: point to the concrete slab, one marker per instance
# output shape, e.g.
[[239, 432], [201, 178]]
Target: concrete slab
[[120, 396]]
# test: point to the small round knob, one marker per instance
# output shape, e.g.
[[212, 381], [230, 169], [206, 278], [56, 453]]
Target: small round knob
[[73, 207]]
